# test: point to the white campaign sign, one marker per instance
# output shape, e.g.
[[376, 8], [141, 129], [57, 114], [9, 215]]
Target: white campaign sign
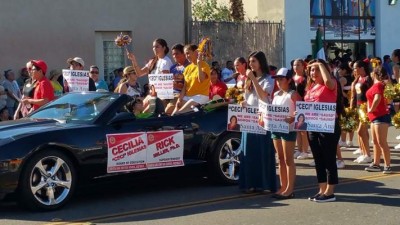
[[164, 85], [273, 117], [244, 119], [78, 80], [318, 117]]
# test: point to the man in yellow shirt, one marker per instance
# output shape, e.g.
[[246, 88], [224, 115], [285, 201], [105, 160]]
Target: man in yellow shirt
[[197, 81]]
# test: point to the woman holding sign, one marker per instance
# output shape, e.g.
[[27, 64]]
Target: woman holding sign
[[257, 162], [285, 142], [321, 87]]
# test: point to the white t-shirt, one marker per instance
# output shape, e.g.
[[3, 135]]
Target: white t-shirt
[[227, 73], [285, 99], [162, 64]]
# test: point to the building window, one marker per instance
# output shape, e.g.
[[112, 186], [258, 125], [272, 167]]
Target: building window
[[114, 58], [347, 24]]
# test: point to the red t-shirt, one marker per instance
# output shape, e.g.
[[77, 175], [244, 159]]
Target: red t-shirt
[[43, 89], [218, 89], [321, 93], [381, 109]]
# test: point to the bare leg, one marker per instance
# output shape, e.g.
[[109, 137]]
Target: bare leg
[[288, 149], [282, 167]]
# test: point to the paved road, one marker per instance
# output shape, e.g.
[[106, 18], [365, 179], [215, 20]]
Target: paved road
[[363, 198]]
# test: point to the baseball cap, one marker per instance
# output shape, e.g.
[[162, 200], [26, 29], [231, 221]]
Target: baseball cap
[[40, 64], [283, 72], [76, 59]]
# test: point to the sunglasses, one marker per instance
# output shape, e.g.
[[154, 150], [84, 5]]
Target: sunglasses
[[94, 72]]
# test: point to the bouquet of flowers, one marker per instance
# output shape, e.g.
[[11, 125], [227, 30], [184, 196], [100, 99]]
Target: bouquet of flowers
[[234, 95], [122, 40], [362, 113], [349, 121]]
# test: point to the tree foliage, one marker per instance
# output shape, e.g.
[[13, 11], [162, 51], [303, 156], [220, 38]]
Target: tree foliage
[[206, 10], [237, 11]]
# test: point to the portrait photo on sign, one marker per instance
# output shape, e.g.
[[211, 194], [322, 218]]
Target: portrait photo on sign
[[300, 123], [233, 124]]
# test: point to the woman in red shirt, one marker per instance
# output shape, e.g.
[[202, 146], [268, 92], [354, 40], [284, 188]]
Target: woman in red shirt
[[378, 114], [322, 87], [44, 91], [217, 87]]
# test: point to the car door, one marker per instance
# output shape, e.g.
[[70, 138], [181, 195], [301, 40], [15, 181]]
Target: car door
[[165, 123]]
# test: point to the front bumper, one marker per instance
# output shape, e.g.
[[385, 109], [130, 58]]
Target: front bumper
[[8, 183]]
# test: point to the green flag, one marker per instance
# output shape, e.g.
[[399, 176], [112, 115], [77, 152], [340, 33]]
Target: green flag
[[319, 52]]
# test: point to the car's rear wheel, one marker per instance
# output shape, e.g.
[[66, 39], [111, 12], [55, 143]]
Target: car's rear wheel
[[224, 162], [47, 181]]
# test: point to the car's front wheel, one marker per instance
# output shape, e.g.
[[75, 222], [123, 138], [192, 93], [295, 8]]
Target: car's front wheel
[[47, 181], [224, 162]]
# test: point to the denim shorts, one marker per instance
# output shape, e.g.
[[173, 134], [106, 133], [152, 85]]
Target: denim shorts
[[383, 119], [291, 136]]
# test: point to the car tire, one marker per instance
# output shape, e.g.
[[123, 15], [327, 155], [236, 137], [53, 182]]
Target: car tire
[[47, 181], [224, 159]]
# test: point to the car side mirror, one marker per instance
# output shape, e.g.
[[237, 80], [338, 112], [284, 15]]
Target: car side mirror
[[122, 117]]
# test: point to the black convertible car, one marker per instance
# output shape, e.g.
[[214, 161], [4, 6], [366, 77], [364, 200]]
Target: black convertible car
[[90, 135]]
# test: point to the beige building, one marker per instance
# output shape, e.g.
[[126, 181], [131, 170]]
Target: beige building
[[54, 30]]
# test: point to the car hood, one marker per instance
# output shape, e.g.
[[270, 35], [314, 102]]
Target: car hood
[[15, 128]]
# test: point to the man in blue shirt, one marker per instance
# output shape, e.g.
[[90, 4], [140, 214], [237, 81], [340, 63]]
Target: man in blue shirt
[[177, 70]]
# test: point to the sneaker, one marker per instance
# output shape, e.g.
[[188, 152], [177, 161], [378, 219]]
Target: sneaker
[[359, 158], [373, 168], [397, 146], [398, 137], [340, 164], [310, 155], [303, 155], [342, 143], [357, 152], [312, 163], [325, 198], [349, 143], [366, 159], [296, 154], [387, 170], [312, 198]]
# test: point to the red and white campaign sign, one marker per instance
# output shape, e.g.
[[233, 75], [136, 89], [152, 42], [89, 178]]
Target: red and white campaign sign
[[165, 149], [126, 152]]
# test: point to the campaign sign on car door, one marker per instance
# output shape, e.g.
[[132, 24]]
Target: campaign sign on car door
[[165, 149], [126, 152]]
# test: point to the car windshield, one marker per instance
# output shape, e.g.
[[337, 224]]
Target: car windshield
[[76, 107]]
